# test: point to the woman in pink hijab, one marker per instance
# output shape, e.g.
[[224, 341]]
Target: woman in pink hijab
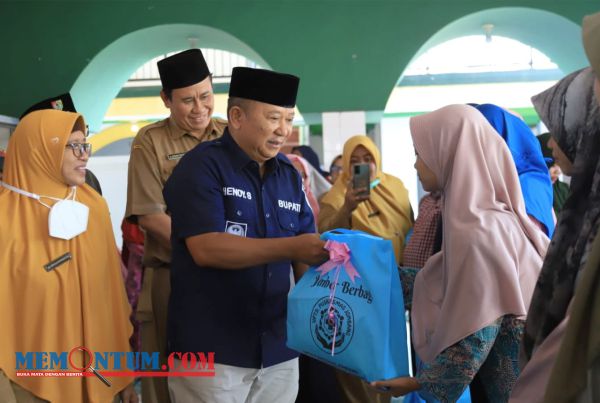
[[304, 169], [469, 301]]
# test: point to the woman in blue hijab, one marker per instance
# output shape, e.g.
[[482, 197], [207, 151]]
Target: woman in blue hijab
[[531, 166]]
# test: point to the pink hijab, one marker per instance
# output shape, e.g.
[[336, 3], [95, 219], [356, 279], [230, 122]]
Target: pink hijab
[[491, 252], [312, 200]]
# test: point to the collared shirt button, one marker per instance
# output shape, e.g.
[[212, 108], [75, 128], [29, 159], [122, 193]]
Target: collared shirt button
[[268, 215], [291, 225], [239, 213]]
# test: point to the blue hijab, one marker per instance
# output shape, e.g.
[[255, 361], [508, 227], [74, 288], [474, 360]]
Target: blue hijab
[[531, 166]]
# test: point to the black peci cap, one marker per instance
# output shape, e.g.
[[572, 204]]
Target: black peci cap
[[62, 102], [182, 69], [265, 86]]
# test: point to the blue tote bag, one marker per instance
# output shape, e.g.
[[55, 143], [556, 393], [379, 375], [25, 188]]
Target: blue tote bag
[[349, 312]]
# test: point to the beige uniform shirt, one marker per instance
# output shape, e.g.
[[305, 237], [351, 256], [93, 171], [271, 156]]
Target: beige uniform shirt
[[156, 150]]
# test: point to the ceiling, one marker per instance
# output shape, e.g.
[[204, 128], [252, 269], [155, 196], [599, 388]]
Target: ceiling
[[349, 53]]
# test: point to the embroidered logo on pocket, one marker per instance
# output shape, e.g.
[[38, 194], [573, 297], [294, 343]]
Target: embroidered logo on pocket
[[236, 228]]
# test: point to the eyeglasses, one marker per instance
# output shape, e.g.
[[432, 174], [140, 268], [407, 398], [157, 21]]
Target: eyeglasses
[[80, 148]]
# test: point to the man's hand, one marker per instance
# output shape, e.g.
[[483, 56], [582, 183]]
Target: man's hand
[[397, 386], [128, 395], [226, 251], [309, 249]]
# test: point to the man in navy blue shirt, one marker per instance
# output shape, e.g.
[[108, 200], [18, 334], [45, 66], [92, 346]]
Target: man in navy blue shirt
[[240, 220]]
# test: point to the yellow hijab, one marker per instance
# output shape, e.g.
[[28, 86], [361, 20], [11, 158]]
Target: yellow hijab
[[80, 303], [387, 212]]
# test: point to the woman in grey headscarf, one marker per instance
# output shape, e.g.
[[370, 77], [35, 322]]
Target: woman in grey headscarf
[[570, 111], [576, 372]]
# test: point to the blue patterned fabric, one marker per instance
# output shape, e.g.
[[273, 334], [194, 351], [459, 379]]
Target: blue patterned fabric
[[490, 353], [407, 280], [536, 185]]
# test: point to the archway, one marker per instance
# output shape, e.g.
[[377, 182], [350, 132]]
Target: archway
[[517, 23], [104, 76], [102, 79]]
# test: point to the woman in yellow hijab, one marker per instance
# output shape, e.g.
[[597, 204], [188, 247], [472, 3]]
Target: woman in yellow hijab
[[385, 212], [60, 281]]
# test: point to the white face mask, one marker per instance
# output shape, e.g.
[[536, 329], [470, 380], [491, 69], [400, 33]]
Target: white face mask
[[67, 219]]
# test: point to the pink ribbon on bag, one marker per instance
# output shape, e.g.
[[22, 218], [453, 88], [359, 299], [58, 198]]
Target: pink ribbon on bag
[[339, 257]]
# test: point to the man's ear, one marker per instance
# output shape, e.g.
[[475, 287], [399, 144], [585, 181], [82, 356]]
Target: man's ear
[[235, 117], [165, 99]]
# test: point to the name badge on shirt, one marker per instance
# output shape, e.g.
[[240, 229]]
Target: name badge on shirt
[[288, 205], [58, 261], [172, 157], [235, 192]]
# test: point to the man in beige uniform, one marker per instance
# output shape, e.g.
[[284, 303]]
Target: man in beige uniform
[[157, 148]]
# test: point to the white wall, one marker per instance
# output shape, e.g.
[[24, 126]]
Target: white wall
[[112, 174], [398, 155], [337, 128]]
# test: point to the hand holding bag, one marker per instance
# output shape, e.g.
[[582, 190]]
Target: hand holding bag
[[349, 312]]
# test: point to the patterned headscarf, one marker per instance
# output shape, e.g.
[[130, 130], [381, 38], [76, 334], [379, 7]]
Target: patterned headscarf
[[571, 113], [590, 30]]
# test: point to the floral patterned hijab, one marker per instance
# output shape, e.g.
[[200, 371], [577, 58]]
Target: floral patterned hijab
[[570, 111]]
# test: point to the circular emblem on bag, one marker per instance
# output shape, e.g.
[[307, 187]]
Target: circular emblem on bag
[[323, 321]]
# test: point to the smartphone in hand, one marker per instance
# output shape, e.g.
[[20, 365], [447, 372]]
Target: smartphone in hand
[[361, 178]]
